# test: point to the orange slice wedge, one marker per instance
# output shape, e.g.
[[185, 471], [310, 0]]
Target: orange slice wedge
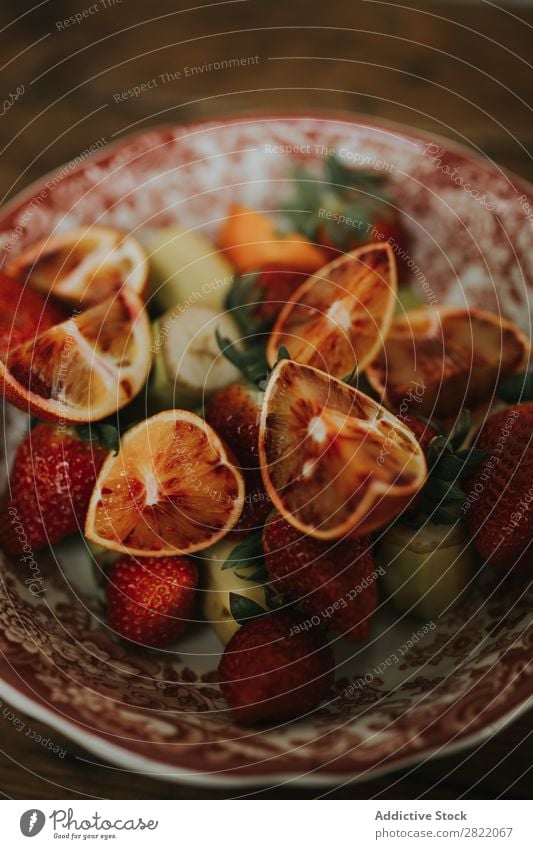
[[83, 266], [251, 241], [85, 368], [438, 359], [170, 490], [337, 319], [334, 462]]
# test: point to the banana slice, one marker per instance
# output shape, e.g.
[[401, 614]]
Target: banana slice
[[426, 569], [187, 269], [220, 583], [189, 366]]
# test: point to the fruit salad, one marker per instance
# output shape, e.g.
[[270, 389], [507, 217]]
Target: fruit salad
[[270, 432]]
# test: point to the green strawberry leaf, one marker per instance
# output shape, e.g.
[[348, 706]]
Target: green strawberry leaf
[[440, 496], [250, 361], [345, 203], [443, 491], [247, 553], [243, 609], [106, 434], [341, 175], [309, 187], [302, 220], [441, 444], [243, 295], [283, 354], [109, 436], [352, 378], [86, 433], [358, 380], [516, 388], [438, 446], [258, 576], [407, 300], [449, 467], [460, 429], [459, 465], [472, 458]]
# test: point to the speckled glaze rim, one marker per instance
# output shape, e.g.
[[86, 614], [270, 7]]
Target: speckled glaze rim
[[152, 768]]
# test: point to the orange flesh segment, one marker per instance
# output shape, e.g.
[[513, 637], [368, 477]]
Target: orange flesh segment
[[55, 369], [251, 242], [337, 319], [437, 360], [83, 266], [169, 489], [54, 265], [89, 366], [326, 446]]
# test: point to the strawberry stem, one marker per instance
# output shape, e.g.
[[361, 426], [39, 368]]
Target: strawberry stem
[[341, 198], [441, 495], [516, 388]]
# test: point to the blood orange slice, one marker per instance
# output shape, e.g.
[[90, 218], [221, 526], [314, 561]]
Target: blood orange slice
[[24, 313], [334, 462], [337, 319], [435, 360], [171, 489], [84, 368], [83, 266]]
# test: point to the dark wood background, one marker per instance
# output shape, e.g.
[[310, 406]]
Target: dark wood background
[[459, 69]]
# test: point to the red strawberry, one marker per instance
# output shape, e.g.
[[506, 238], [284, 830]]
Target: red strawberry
[[423, 432], [24, 313], [334, 582], [276, 286], [500, 493], [270, 672], [234, 414], [150, 600], [51, 482], [257, 504], [391, 229]]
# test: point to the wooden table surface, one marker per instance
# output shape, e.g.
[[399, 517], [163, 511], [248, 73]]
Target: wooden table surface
[[457, 69]]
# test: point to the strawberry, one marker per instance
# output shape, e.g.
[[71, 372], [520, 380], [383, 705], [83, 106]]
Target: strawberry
[[24, 313], [500, 492], [150, 600], [276, 286], [332, 581], [271, 672], [389, 229], [255, 298], [51, 482], [234, 414]]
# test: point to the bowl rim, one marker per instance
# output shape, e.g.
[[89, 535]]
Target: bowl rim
[[514, 704], [152, 768], [252, 115]]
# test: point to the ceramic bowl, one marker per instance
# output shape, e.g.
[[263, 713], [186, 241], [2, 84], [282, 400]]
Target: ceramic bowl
[[453, 681]]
